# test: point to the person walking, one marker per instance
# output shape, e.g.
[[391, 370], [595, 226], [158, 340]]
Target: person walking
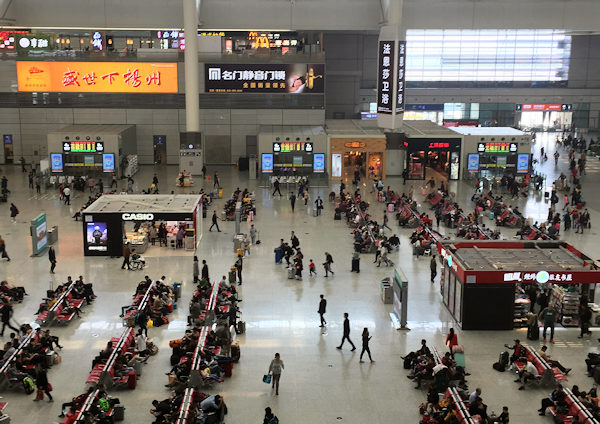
[[216, 181], [22, 161], [252, 232], [196, 269], [52, 259], [204, 275], [114, 181], [276, 187], [433, 266], [126, 256], [155, 181], [31, 179], [38, 185], [292, 200], [67, 195], [270, 418], [6, 313], [214, 222], [346, 335], [14, 211], [203, 172], [100, 186], [41, 381], [239, 264], [404, 176], [322, 310], [585, 315], [365, 345], [386, 219], [327, 264], [275, 369], [548, 317], [3, 249], [319, 205]]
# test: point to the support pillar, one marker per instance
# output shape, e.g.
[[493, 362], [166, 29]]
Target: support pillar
[[192, 78]]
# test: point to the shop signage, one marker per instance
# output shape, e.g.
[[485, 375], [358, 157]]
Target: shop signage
[[385, 77], [540, 277], [267, 162], [565, 107], [8, 38], [523, 163], [319, 163], [83, 146], [434, 107], [97, 77], [288, 78], [497, 147], [108, 162], [137, 216], [293, 146], [28, 42], [97, 43], [473, 162], [336, 165], [56, 162], [368, 116], [355, 145], [400, 79], [439, 145]]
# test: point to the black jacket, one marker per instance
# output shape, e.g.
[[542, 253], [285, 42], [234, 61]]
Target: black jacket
[[346, 327], [322, 306], [205, 272]]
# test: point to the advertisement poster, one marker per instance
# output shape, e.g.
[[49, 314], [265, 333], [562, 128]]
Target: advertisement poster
[[523, 163], [290, 78], [297, 160], [108, 162], [336, 165], [267, 162], [401, 77], [88, 160], [41, 239], [319, 163], [473, 162], [56, 160], [97, 237], [385, 77], [97, 77]]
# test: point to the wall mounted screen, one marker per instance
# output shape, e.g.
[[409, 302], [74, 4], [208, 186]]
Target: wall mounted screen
[[487, 55]]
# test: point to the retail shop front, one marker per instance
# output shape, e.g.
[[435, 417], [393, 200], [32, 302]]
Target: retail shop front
[[483, 283], [431, 157], [349, 154], [114, 220]]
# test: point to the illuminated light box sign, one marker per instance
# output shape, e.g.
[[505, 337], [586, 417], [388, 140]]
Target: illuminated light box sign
[[291, 78], [108, 162], [267, 162], [319, 163], [564, 107], [473, 163], [293, 146], [522, 163], [56, 160], [83, 146], [97, 77], [497, 147]]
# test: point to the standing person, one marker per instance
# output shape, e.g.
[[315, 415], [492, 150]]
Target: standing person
[[275, 369], [214, 222], [204, 275], [67, 195], [101, 185], [13, 212], [31, 179], [196, 269], [276, 187], [346, 335], [451, 339], [311, 268], [52, 259], [404, 176], [41, 381], [319, 205], [114, 181], [203, 171], [433, 266], [252, 232], [246, 244], [327, 264], [22, 161], [365, 345], [270, 418], [216, 182], [386, 219], [292, 200], [239, 265], [294, 241], [38, 185], [585, 315], [6, 313], [548, 317], [3, 249], [126, 255], [155, 181], [4, 184], [322, 310]]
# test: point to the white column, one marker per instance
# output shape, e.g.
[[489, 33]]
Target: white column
[[190, 29]]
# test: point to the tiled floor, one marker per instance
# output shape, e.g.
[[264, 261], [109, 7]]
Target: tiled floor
[[320, 384]]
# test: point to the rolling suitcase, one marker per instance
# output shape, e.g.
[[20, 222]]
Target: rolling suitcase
[[232, 276], [355, 265], [459, 358], [315, 212], [241, 327], [235, 352], [291, 273], [119, 412], [503, 359], [533, 333], [278, 255], [132, 380]]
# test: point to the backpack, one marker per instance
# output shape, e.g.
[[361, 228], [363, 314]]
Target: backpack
[[499, 367], [274, 420], [104, 404], [504, 359], [28, 385]]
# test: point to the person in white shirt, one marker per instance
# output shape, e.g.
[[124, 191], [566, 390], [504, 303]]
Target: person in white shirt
[[67, 195], [528, 372], [140, 343], [224, 282], [473, 396]]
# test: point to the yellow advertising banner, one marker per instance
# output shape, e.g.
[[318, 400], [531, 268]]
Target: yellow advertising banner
[[97, 77]]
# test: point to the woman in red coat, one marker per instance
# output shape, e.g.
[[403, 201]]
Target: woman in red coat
[[451, 339]]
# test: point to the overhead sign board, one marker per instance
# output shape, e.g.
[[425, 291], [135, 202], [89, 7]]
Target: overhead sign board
[[528, 107], [290, 78], [385, 77], [97, 77], [497, 147], [83, 146], [292, 146]]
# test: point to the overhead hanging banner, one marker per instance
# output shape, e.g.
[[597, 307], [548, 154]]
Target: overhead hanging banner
[[400, 78], [290, 78], [385, 78], [97, 77]]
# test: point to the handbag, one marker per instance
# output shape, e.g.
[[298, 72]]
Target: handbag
[[267, 378], [150, 323], [50, 388]]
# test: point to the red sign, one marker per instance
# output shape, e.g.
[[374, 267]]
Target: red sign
[[438, 145], [540, 107]]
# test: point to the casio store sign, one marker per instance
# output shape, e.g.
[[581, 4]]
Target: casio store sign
[[137, 216]]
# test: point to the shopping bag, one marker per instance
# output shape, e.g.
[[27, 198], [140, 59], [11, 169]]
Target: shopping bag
[[50, 388], [150, 323], [267, 378]]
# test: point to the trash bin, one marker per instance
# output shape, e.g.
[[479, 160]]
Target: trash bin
[[386, 292], [53, 235]]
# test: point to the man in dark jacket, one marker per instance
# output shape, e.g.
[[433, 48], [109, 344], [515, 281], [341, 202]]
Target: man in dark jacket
[[204, 271], [126, 255], [214, 222], [346, 333], [322, 309]]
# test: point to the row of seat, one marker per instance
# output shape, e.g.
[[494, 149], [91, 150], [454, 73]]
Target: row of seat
[[56, 313], [547, 374], [461, 407], [139, 304], [575, 408]]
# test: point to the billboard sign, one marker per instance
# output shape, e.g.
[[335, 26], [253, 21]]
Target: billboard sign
[[385, 77], [56, 162]]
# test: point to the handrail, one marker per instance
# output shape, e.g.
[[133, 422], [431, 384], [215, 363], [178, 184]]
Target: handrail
[[17, 351], [184, 408], [89, 401]]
